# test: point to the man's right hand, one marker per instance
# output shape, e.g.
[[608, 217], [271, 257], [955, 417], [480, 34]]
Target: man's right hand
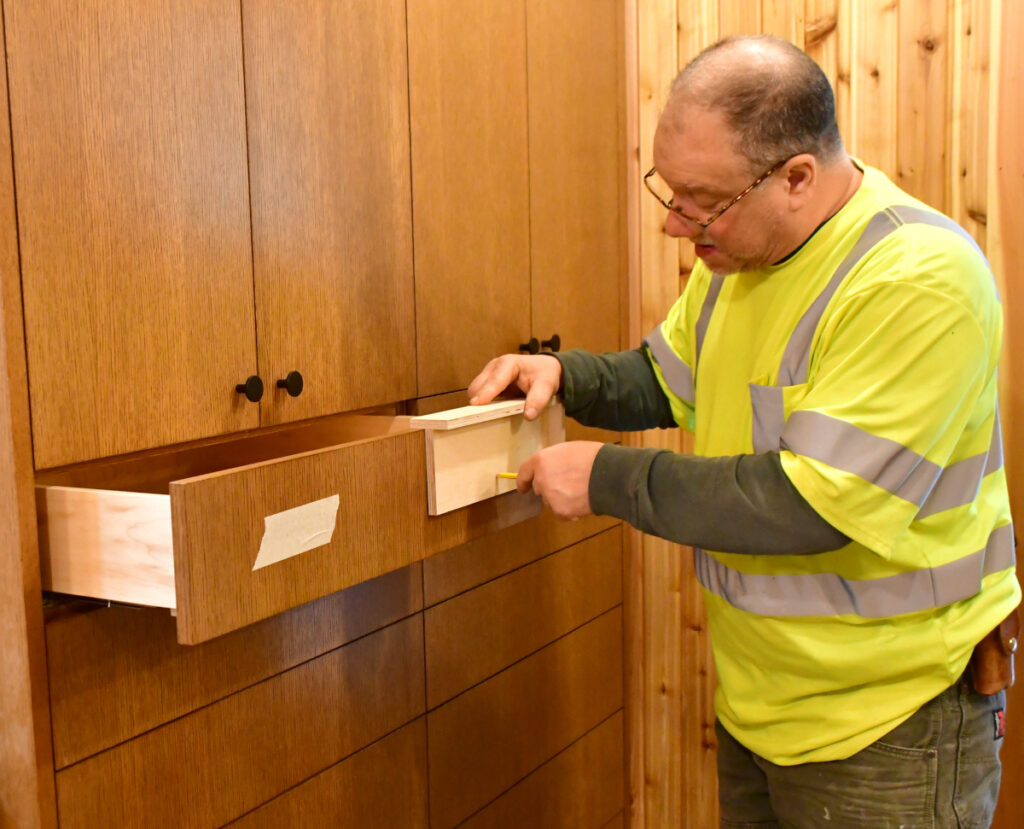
[[537, 375]]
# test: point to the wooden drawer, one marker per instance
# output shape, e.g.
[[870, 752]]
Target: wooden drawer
[[232, 532]]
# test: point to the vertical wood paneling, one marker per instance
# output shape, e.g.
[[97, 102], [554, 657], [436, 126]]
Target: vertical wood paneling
[[871, 130], [784, 18], [970, 83], [821, 37], [923, 105], [739, 17]]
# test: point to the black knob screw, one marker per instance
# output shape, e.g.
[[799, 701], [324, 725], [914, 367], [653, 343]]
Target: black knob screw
[[531, 347], [251, 388], [292, 384], [554, 343]]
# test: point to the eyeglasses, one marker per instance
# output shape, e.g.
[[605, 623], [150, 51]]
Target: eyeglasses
[[717, 214]]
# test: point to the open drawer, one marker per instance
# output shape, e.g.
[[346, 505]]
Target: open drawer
[[231, 532]]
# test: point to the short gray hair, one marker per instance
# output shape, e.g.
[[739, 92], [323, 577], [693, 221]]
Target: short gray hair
[[774, 97]]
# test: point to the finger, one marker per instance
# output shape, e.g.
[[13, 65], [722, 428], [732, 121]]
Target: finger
[[497, 376], [538, 397], [524, 479]]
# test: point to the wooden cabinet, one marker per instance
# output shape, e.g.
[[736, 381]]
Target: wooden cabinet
[[128, 128], [517, 156], [151, 290]]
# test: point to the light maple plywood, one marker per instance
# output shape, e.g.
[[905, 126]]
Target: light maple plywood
[[577, 162], [384, 785], [579, 787], [477, 634], [471, 456], [118, 672], [107, 545], [470, 186], [133, 219], [328, 113], [487, 739], [227, 758]]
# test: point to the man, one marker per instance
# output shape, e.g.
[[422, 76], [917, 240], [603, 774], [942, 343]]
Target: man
[[834, 353]]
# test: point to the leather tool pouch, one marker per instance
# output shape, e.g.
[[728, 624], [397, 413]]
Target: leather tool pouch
[[992, 661]]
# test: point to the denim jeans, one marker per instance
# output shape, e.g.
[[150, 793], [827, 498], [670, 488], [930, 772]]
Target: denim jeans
[[938, 770]]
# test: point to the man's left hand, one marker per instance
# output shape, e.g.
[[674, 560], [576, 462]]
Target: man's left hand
[[560, 475]]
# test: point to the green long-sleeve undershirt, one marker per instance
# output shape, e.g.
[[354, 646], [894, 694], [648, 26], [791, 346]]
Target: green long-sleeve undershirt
[[739, 504]]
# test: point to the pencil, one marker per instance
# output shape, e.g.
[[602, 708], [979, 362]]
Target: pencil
[[508, 474]]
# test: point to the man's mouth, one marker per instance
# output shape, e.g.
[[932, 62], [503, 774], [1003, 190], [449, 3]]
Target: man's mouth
[[704, 250]]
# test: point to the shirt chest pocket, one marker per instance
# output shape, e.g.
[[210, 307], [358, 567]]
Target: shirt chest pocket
[[770, 408]]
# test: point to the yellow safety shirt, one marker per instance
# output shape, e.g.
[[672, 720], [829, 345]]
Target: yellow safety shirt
[[868, 360]]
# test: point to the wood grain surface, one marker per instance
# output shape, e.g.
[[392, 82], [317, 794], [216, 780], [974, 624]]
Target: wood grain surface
[[487, 739], [470, 186], [477, 634], [383, 786], [578, 788], [133, 220], [328, 124], [229, 757], [577, 162], [118, 672]]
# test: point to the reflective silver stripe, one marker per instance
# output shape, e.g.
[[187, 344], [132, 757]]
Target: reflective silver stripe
[[769, 417], [676, 373], [705, 312], [827, 594], [797, 356], [960, 482], [881, 461]]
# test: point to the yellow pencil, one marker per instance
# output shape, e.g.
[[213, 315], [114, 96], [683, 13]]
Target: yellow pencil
[[508, 474]]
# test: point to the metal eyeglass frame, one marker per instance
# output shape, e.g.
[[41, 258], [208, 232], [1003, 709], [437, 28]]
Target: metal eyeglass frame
[[717, 214]]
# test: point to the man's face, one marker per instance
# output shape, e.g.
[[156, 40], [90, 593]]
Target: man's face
[[696, 158]]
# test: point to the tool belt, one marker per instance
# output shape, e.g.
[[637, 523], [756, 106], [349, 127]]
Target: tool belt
[[992, 660]]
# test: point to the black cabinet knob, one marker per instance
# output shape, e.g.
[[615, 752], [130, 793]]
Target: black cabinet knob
[[292, 384], [554, 343], [532, 347], [251, 388]]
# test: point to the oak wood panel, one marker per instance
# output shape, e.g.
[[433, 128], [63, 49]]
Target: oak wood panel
[[577, 789], [784, 18], [617, 822], [133, 208], [328, 113], [739, 17], [471, 226], [26, 757], [821, 38], [383, 786], [490, 737], [923, 101], [229, 757], [381, 525], [576, 170], [872, 29], [488, 557], [476, 634], [117, 672]]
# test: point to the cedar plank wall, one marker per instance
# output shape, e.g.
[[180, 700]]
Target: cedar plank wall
[[927, 90]]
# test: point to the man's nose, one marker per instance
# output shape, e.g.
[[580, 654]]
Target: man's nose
[[678, 227]]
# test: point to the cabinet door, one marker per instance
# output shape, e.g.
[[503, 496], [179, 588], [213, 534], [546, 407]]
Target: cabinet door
[[128, 130], [328, 113], [576, 170], [467, 76]]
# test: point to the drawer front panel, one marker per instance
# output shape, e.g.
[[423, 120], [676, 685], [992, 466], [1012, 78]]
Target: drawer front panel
[[381, 525], [483, 741], [476, 634], [117, 672], [384, 785], [216, 764], [582, 786]]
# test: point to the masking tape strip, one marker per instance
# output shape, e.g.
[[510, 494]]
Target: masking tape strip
[[297, 530]]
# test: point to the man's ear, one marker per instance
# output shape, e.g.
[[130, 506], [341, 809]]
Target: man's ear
[[801, 177]]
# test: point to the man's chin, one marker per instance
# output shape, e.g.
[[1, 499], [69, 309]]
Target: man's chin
[[716, 261]]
